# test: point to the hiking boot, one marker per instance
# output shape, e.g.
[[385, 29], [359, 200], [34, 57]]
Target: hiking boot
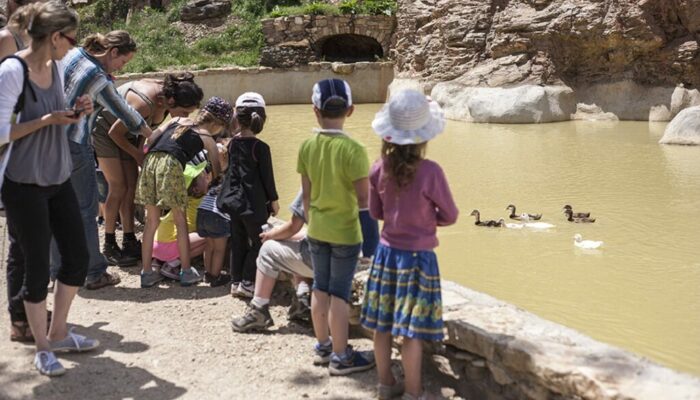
[[115, 256], [301, 308], [323, 353], [244, 290], [255, 318], [350, 362], [131, 249], [189, 277], [149, 279]]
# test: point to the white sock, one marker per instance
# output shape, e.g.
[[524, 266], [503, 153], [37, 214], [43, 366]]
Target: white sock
[[260, 302], [303, 288]]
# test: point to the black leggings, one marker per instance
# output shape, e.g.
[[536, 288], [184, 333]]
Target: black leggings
[[33, 214], [245, 246]]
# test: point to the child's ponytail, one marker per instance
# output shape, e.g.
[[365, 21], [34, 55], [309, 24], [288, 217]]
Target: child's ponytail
[[252, 118], [402, 161]]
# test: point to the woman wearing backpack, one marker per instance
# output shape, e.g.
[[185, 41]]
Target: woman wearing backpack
[[37, 192], [13, 38]]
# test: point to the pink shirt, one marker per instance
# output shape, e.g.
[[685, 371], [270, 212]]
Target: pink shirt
[[411, 216]]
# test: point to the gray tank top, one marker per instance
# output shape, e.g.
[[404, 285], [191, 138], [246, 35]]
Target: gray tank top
[[42, 157]]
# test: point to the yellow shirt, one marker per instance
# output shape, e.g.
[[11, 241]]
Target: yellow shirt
[[167, 232], [332, 162]]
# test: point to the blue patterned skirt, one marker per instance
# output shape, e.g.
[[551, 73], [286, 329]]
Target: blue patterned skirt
[[402, 295]]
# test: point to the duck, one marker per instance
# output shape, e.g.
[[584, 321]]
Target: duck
[[586, 244], [513, 215], [510, 225], [534, 225], [571, 218], [576, 214], [487, 223]]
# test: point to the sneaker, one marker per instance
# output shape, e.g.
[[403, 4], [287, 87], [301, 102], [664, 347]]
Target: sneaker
[[171, 269], [189, 277], [255, 318], [75, 343], [221, 280], [208, 277], [323, 353], [106, 279], [301, 308], [245, 290], [387, 392], [350, 362], [131, 249], [47, 364], [234, 287], [149, 279]]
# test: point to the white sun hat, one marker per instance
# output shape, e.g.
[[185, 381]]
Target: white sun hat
[[409, 118], [250, 99]]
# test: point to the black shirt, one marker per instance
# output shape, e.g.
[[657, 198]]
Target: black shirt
[[184, 148]]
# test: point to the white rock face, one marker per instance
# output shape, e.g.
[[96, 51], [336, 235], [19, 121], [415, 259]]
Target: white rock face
[[518, 105], [684, 128]]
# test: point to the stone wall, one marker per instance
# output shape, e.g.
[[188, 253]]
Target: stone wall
[[496, 351], [369, 81], [298, 40], [595, 47]]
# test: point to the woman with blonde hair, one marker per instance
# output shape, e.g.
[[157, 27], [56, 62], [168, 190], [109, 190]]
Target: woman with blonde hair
[[14, 36], [37, 192], [88, 72]]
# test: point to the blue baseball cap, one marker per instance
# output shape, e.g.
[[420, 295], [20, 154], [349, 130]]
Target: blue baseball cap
[[331, 95]]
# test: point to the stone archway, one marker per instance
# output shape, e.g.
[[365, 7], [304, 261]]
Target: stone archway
[[348, 48]]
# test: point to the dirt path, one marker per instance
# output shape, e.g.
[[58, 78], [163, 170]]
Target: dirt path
[[171, 342]]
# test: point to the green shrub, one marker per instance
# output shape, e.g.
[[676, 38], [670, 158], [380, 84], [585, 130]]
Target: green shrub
[[356, 7]]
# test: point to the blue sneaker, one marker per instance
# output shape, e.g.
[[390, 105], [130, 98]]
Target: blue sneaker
[[189, 277], [350, 362], [323, 353]]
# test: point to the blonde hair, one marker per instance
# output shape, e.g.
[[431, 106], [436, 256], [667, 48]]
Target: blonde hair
[[98, 44], [43, 19], [19, 20], [203, 117]]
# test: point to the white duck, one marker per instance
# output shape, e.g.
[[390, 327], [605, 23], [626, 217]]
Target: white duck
[[534, 225], [586, 244], [510, 225]]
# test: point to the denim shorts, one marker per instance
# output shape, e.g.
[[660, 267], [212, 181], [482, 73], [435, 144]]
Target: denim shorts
[[102, 188], [334, 267], [212, 225]]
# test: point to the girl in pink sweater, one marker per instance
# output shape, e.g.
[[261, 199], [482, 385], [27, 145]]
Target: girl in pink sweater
[[413, 198]]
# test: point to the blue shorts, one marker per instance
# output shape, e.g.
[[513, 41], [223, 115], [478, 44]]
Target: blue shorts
[[102, 188], [212, 225], [334, 267]]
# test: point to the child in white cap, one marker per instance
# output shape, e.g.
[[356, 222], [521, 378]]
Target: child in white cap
[[413, 198]]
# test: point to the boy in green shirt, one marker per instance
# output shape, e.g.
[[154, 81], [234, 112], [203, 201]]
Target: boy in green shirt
[[334, 174]]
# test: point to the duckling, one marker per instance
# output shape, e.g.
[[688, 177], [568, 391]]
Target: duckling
[[512, 215], [586, 244], [479, 222], [570, 218], [576, 214]]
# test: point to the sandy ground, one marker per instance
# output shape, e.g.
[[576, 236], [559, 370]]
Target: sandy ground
[[172, 342]]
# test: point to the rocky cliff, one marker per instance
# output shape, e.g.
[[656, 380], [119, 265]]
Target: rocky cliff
[[596, 47]]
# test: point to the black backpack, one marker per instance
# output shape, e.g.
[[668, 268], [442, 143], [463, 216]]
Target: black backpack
[[25, 84]]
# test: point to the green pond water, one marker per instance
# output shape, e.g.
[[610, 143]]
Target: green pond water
[[641, 291]]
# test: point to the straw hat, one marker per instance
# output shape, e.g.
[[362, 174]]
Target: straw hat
[[409, 118]]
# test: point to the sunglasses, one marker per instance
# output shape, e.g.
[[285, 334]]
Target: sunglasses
[[70, 40]]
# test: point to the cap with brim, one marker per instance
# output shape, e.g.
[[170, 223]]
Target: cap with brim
[[192, 171], [331, 95], [409, 118], [250, 99]]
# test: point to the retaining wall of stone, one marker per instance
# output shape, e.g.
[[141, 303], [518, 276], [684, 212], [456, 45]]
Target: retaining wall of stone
[[369, 81], [496, 351]]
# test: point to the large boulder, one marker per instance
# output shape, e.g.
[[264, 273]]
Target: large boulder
[[200, 10], [684, 128], [518, 105]]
